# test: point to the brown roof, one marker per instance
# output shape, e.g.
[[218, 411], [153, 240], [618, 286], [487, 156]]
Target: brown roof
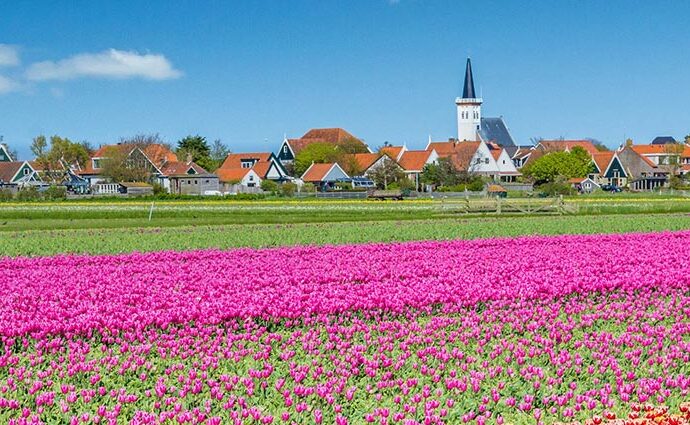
[[180, 167], [234, 160], [414, 160], [567, 145], [366, 160], [329, 135], [602, 160], [392, 151], [496, 153], [9, 169], [317, 172], [460, 153], [157, 153], [231, 174]]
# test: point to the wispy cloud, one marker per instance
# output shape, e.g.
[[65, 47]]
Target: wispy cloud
[[7, 85], [9, 55], [113, 64]]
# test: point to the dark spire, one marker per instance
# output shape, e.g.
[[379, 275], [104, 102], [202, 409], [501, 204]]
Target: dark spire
[[468, 89]]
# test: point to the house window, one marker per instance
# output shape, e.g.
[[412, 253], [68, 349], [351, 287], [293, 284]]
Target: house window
[[26, 171], [196, 181], [251, 178], [284, 148], [486, 160], [96, 163], [189, 182]]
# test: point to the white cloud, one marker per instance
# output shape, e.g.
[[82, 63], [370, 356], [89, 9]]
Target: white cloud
[[9, 56], [116, 64], [7, 85]]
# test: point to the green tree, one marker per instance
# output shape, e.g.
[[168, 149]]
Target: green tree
[[269, 186], [219, 151], [319, 152], [197, 149], [387, 173], [55, 158], [576, 163], [351, 146]]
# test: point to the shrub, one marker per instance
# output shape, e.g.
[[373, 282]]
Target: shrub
[[556, 188], [55, 193], [288, 189], [6, 195], [28, 193], [158, 189], [269, 186]]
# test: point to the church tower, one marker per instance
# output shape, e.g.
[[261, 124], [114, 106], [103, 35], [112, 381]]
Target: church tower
[[469, 109]]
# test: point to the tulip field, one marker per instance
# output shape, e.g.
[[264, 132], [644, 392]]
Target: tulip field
[[522, 330]]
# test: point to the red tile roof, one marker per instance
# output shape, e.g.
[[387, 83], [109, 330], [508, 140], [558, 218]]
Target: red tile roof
[[366, 160], [261, 168], [9, 169], [317, 172], [157, 153], [179, 168], [684, 150], [602, 160], [329, 135], [567, 145], [460, 153], [231, 175], [234, 160], [392, 151], [414, 160]]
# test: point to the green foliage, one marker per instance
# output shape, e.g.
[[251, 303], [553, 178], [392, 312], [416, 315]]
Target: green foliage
[[308, 188], [6, 195], [387, 173], [158, 189], [28, 193], [269, 186], [196, 148], [55, 193], [315, 153], [556, 188], [195, 235], [288, 189], [56, 157], [576, 163]]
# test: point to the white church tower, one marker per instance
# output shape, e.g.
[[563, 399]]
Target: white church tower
[[469, 109]]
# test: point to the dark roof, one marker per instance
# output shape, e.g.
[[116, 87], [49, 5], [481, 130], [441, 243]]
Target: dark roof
[[663, 140], [494, 129], [468, 89]]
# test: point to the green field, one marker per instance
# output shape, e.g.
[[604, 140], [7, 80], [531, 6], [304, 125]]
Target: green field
[[105, 240], [135, 214]]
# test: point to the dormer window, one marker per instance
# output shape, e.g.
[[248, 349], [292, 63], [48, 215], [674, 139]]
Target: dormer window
[[247, 163], [96, 162]]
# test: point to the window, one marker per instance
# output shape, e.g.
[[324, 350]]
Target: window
[[247, 163], [285, 148], [96, 163], [196, 181], [189, 182], [26, 171], [251, 178], [486, 160]]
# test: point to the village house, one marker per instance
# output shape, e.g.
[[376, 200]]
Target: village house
[[324, 176], [290, 148], [413, 163], [608, 169], [16, 174], [265, 164], [188, 178], [239, 180]]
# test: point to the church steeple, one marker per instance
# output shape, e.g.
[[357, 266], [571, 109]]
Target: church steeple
[[469, 108], [468, 89]]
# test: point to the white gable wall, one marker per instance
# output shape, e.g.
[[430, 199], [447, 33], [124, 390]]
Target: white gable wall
[[483, 162], [334, 174]]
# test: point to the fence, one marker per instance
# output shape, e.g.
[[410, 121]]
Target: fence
[[106, 189], [506, 206], [332, 195]]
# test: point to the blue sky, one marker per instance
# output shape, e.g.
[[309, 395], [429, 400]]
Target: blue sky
[[249, 72]]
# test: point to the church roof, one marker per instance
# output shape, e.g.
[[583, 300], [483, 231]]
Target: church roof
[[468, 88], [662, 140], [495, 130]]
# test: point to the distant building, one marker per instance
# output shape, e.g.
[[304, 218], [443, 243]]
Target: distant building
[[324, 176], [472, 127], [663, 140], [290, 148]]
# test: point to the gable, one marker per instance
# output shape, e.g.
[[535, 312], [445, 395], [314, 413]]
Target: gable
[[615, 166], [4, 155], [24, 172], [285, 152], [334, 173]]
